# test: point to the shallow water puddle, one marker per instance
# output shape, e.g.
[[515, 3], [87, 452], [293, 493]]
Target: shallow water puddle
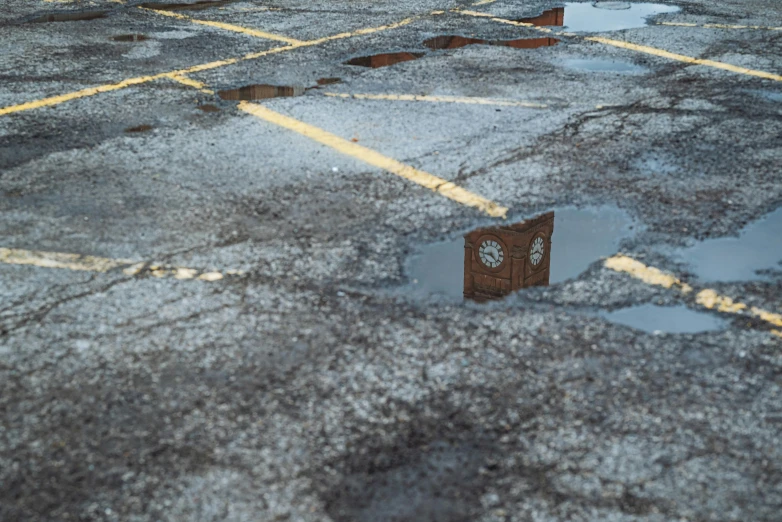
[[69, 17], [669, 319], [603, 65], [192, 6], [758, 248], [456, 42], [490, 263], [130, 38], [261, 92], [383, 60], [592, 17]]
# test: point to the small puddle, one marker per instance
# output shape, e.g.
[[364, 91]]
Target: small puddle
[[383, 60], [603, 65], [192, 6], [130, 38], [328, 81], [140, 128], [591, 17], [69, 17], [208, 107], [456, 42], [261, 92], [758, 249], [669, 319], [490, 263]]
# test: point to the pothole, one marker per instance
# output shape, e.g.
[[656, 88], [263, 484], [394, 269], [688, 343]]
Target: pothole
[[383, 60], [130, 38], [665, 319], [456, 42], [591, 17], [261, 92], [192, 6], [69, 17], [755, 254], [490, 263]]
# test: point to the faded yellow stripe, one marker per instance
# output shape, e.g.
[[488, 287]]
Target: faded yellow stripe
[[228, 27], [376, 159], [484, 2], [438, 99], [56, 100], [778, 333], [686, 59], [707, 297], [184, 80], [721, 26], [84, 263], [634, 47]]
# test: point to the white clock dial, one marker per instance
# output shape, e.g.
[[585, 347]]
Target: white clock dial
[[491, 254], [537, 250]]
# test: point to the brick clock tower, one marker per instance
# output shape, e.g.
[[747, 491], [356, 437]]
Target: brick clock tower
[[500, 260]]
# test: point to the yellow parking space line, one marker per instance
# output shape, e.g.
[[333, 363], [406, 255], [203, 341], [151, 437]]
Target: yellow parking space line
[[721, 26], [706, 297], [438, 99], [62, 98], [184, 80], [484, 2], [227, 27], [369, 156], [686, 59], [778, 333], [83, 263], [634, 47]]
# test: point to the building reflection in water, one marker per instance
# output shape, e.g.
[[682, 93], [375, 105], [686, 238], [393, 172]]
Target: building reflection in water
[[383, 60], [501, 260], [456, 42], [260, 92], [552, 17]]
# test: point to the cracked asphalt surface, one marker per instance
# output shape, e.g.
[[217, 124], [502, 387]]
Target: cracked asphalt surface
[[315, 385]]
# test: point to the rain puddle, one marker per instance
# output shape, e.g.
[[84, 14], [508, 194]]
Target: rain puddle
[[669, 319], [139, 128], [592, 17], [383, 60], [193, 6], [261, 92], [328, 81], [758, 249], [490, 263], [208, 107], [603, 65], [69, 17], [130, 38], [455, 42]]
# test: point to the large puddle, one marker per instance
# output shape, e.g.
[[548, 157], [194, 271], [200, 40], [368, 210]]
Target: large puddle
[[754, 254], [669, 319], [592, 17], [490, 263]]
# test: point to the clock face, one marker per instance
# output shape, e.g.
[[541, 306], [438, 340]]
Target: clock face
[[491, 254], [537, 250]]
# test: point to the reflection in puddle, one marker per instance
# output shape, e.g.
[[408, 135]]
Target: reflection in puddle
[[599, 16], [758, 248], [69, 17], [490, 263], [192, 6], [208, 107], [669, 319], [260, 92], [383, 60], [602, 65], [130, 38], [139, 128], [455, 42], [329, 81]]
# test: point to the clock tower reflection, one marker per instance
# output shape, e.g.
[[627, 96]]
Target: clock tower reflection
[[501, 260]]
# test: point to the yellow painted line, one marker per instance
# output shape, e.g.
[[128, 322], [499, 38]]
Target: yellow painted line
[[707, 297], [227, 27], [184, 80], [686, 59], [778, 333], [484, 2], [62, 98], [721, 26], [369, 156], [635, 47], [438, 99], [78, 262]]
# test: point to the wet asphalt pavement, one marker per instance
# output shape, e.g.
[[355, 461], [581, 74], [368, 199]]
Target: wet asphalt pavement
[[209, 312]]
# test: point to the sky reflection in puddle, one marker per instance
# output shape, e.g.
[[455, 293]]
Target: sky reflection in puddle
[[593, 17], [668, 319]]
